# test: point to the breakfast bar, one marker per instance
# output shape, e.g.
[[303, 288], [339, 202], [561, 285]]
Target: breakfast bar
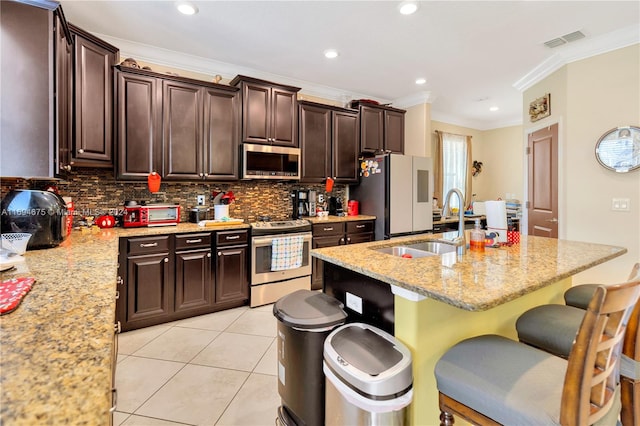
[[442, 299]]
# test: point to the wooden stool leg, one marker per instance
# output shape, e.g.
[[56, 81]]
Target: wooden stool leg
[[630, 390]]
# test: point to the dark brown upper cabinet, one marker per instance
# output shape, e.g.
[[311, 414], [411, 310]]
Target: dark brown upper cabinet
[[381, 129], [93, 102], [328, 142], [63, 92], [269, 112], [182, 128]]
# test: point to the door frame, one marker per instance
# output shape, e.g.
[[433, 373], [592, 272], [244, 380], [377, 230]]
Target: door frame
[[562, 211]]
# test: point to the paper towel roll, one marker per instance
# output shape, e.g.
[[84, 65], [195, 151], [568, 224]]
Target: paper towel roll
[[497, 219]]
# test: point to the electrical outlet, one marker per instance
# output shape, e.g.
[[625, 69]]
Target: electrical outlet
[[321, 198], [354, 302], [621, 204], [201, 200]]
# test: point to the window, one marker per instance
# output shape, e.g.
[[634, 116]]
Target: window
[[453, 157]]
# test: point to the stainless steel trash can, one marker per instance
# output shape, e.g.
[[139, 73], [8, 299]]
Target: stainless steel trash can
[[305, 319], [369, 378]]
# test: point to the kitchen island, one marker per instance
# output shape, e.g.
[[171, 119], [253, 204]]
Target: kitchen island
[[440, 300], [57, 347]]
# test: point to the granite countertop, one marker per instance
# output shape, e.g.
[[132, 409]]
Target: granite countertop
[[334, 219], [474, 281], [56, 347]]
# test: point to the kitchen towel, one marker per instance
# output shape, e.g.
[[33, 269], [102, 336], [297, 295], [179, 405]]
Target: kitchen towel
[[497, 219], [286, 252], [12, 291]]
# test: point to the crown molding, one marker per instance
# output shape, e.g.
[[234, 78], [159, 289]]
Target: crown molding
[[424, 97], [582, 49], [473, 124], [199, 64]]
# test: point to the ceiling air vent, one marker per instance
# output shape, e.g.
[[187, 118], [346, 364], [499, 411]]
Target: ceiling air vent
[[567, 38]]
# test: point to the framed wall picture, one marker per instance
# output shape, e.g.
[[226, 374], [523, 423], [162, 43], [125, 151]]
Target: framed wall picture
[[540, 108]]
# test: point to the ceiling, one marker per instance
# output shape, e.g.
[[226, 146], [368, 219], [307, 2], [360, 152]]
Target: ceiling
[[473, 54]]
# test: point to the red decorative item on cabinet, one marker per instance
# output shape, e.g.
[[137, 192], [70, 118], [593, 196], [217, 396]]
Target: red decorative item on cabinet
[[153, 182]]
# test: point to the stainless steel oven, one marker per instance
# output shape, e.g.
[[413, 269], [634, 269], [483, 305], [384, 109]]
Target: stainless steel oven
[[268, 286]]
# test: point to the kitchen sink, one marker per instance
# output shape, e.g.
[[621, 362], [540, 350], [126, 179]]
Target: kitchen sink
[[404, 251], [427, 248], [435, 247]]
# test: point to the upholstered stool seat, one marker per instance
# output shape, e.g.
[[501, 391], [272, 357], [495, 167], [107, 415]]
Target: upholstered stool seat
[[580, 295], [494, 380]]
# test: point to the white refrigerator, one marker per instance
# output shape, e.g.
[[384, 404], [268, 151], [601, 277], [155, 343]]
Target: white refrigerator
[[398, 190]]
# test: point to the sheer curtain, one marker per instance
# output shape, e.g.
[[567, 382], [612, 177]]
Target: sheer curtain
[[453, 167]]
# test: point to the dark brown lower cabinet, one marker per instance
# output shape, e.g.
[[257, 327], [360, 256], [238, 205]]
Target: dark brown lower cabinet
[[170, 277], [333, 234], [232, 277]]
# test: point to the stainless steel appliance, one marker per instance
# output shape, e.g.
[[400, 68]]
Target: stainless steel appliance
[[43, 214], [268, 286], [313, 199], [151, 215], [270, 162], [399, 192], [300, 202]]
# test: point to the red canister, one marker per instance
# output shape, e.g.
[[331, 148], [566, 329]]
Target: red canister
[[353, 208]]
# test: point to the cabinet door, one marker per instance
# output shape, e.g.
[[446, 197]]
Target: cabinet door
[[359, 238], [221, 128], [315, 143], [346, 146], [284, 118], [93, 104], [64, 95], [148, 288], [394, 132], [371, 129], [182, 130], [139, 126], [316, 264], [232, 280], [256, 100], [193, 280]]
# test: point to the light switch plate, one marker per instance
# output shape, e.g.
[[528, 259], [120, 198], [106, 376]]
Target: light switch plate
[[354, 302], [621, 204]]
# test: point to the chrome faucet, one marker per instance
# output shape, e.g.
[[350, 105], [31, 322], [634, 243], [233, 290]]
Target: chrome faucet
[[460, 242]]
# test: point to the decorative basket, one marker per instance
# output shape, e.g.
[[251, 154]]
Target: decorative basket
[[15, 242]]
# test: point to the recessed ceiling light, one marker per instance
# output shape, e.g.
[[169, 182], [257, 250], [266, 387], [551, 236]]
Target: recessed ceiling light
[[186, 8], [494, 108], [421, 81], [408, 7], [330, 53]]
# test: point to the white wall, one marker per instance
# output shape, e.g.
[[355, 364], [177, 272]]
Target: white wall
[[501, 152], [588, 98]]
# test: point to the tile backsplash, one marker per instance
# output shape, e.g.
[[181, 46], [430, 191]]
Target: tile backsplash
[[96, 191]]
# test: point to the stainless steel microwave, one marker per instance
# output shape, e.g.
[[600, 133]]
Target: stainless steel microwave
[[270, 162]]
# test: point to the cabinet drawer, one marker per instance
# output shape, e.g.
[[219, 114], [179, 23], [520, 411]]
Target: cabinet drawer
[[360, 226], [148, 245], [189, 241], [323, 229], [227, 238]]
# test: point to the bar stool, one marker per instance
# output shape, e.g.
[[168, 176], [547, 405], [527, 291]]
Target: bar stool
[[494, 380], [553, 328]]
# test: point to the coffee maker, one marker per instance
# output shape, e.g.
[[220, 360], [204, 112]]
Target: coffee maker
[[300, 200]]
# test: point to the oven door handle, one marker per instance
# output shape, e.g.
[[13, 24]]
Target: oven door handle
[[267, 241]]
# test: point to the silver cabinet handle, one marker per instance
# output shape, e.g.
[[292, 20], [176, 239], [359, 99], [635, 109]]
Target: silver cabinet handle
[[219, 253], [201, 175], [554, 220], [147, 245], [208, 254], [348, 240], [327, 229], [232, 237], [206, 174], [199, 240], [117, 295], [360, 226], [120, 281], [166, 260], [341, 240], [118, 327], [81, 151]]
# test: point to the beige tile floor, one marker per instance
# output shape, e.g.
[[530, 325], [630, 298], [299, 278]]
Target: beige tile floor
[[216, 369]]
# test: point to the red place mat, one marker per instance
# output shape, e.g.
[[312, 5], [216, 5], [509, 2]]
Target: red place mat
[[12, 291]]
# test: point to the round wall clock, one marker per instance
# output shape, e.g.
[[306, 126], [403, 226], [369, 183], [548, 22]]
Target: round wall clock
[[619, 149]]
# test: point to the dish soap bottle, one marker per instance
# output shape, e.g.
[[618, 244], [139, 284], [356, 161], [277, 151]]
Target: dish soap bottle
[[476, 242]]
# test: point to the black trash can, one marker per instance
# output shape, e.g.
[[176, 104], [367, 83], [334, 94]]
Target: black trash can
[[305, 319]]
